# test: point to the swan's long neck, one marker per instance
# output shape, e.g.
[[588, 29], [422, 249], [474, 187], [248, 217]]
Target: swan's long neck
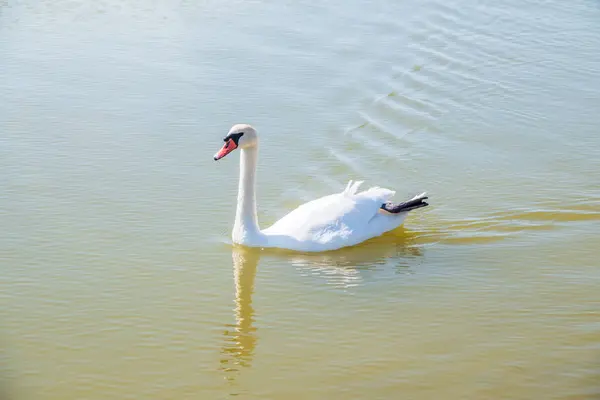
[[246, 227]]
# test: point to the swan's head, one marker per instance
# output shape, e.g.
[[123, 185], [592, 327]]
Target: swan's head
[[240, 136]]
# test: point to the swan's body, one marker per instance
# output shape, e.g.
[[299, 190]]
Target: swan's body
[[328, 223]]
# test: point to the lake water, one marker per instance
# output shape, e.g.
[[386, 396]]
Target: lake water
[[118, 277]]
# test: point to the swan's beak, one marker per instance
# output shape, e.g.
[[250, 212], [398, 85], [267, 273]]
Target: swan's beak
[[227, 148]]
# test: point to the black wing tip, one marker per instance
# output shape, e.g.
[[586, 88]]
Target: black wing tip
[[405, 206]]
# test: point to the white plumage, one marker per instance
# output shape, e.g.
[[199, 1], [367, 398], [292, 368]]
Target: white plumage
[[328, 223]]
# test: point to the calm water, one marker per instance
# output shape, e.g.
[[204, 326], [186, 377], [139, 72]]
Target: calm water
[[118, 278]]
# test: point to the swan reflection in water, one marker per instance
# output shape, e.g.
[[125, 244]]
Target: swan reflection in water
[[398, 251], [401, 250], [240, 338]]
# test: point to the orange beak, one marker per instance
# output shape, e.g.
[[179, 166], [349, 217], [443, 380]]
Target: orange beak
[[227, 148]]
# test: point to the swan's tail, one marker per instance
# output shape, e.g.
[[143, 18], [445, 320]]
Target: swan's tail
[[412, 204]]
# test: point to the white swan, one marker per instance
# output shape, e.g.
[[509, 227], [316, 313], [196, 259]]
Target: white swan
[[329, 223]]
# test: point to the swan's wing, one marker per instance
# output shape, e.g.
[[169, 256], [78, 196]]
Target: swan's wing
[[336, 217]]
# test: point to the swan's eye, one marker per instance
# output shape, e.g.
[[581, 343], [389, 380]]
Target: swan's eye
[[235, 137]]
